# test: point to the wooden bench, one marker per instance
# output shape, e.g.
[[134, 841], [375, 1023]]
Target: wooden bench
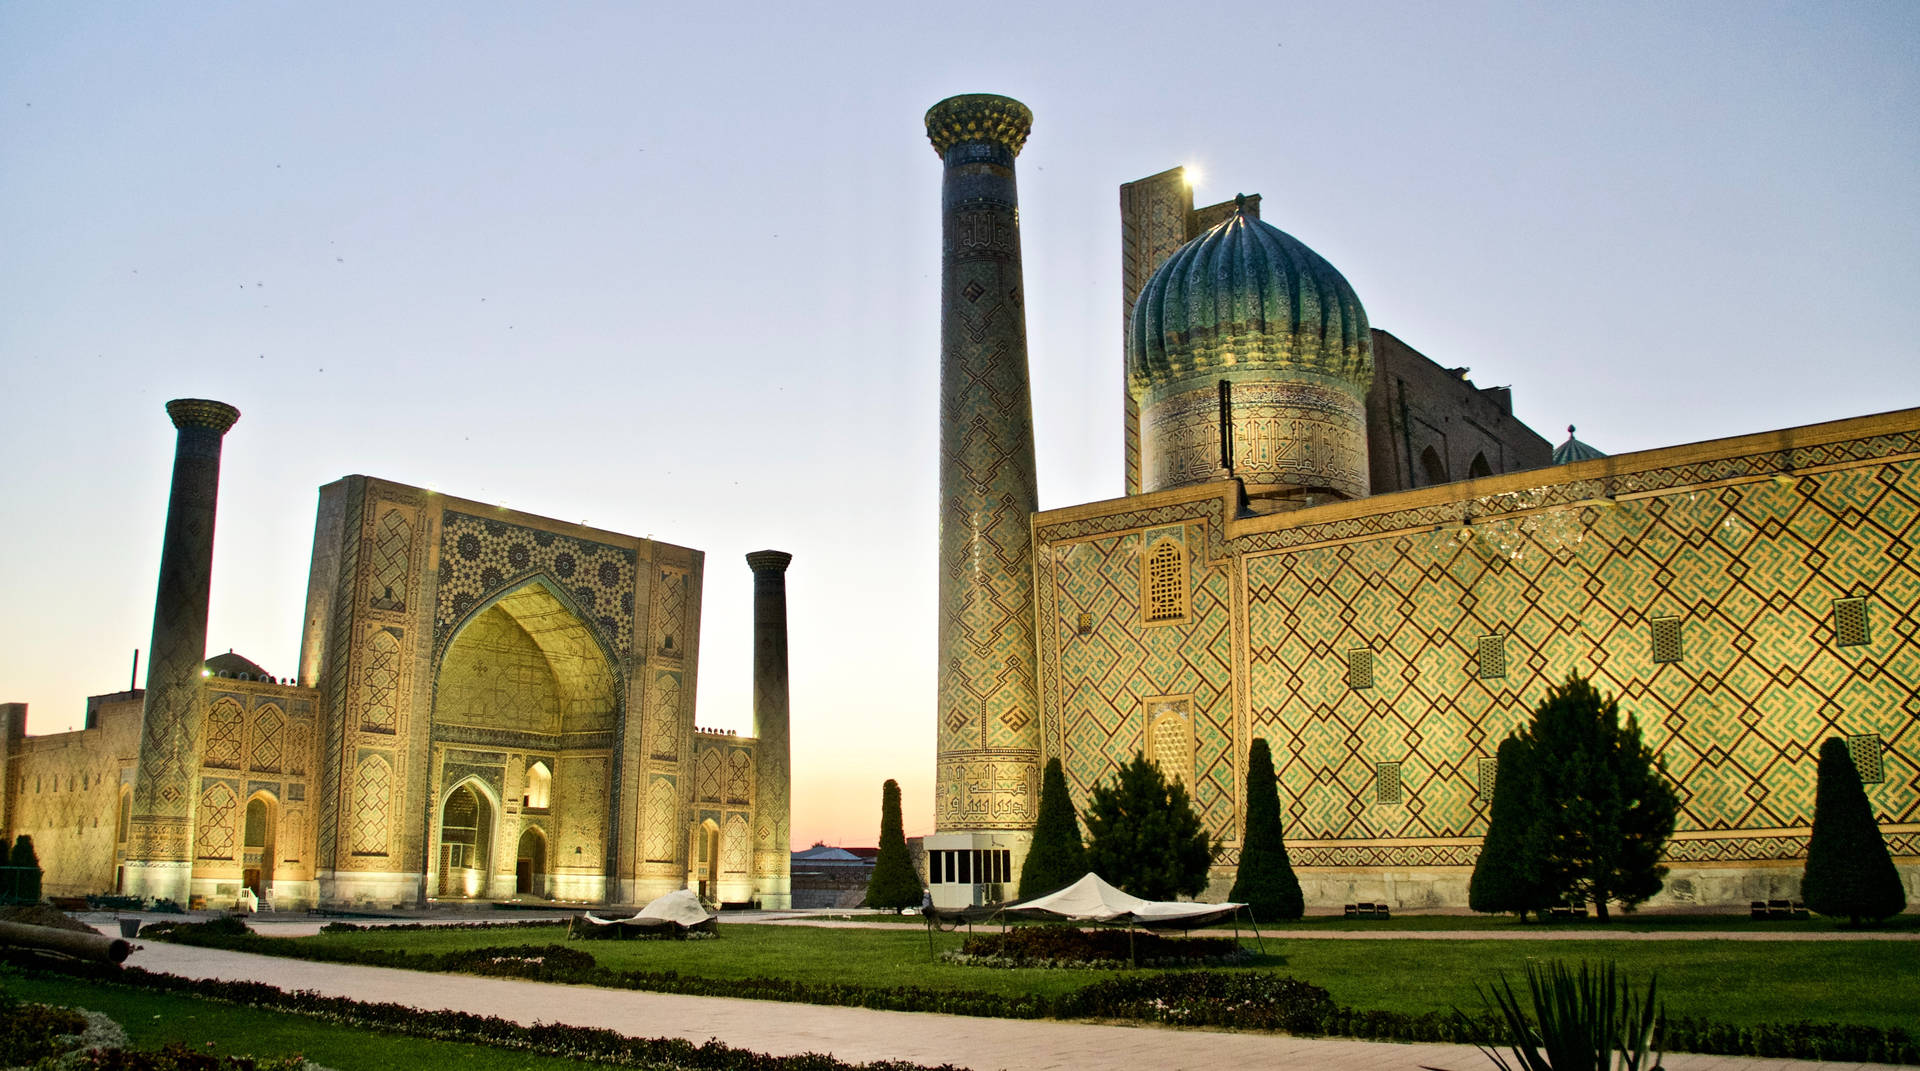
[[1368, 910]]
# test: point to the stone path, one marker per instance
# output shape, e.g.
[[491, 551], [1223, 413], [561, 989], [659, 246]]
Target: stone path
[[858, 1034]]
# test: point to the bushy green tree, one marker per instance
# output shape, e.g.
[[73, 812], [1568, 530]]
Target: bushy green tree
[[25, 878], [1143, 834], [1849, 872], [1506, 876], [893, 884], [1056, 858], [1602, 806], [1265, 881]]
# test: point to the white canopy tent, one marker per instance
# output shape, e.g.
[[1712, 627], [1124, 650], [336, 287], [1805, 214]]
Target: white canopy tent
[[1093, 900]]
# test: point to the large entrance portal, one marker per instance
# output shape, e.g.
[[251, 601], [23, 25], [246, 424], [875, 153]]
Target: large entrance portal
[[466, 834]]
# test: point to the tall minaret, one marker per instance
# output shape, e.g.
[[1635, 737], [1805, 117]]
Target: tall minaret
[[160, 840], [772, 863], [988, 774]]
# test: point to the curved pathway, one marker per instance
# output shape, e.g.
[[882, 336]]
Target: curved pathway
[[857, 1034]]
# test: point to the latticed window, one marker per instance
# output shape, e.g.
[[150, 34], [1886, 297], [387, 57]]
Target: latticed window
[[1493, 656], [1866, 752], [1169, 745], [1489, 769], [1667, 645], [1386, 783], [1360, 667], [1165, 582], [1850, 627]]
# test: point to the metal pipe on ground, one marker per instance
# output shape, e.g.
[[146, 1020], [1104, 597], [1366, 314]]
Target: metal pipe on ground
[[92, 947]]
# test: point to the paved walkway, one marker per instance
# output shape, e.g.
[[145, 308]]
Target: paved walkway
[[858, 1034]]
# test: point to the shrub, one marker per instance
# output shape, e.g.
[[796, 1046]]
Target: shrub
[[31, 1032], [1057, 858], [23, 881], [1144, 836], [1849, 872], [1583, 1019], [1251, 999], [1265, 881], [893, 884], [1027, 946], [1506, 876]]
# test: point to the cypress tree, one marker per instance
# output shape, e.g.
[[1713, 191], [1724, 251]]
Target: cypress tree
[[1603, 809], [1848, 869], [1056, 858], [893, 884], [1506, 876], [1143, 834], [1265, 881], [25, 883]]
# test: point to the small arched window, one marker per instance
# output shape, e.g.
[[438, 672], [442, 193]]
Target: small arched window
[[1432, 469], [1479, 467], [1164, 583], [539, 787], [256, 824]]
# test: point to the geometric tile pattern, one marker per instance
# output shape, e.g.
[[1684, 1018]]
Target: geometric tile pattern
[[736, 841], [1753, 568], [1574, 576], [213, 821], [663, 716], [986, 774], [264, 743], [392, 553], [379, 680], [372, 804], [224, 722], [708, 775], [661, 807], [479, 557], [1102, 686], [740, 776]]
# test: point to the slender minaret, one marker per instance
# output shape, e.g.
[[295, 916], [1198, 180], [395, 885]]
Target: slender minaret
[[988, 772], [160, 840], [772, 867]]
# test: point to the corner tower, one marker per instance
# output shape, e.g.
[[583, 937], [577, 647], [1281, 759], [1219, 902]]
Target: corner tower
[[160, 837], [987, 778]]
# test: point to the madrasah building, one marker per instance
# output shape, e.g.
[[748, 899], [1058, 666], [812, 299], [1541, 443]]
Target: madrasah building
[[489, 705], [1333, 543]]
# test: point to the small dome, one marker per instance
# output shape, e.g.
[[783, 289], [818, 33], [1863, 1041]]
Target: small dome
[[1574, 450], [233, 665], [1246, 296]]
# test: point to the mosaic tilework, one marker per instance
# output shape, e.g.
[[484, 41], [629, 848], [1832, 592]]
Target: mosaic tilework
[[479, 557], [736, 844], [663, 716], [662, 806], [264, 738], [1753, 568], [224, 730], [668, 614], [707, 777], [392, 556], [739, 776], [1101, 680], [988, 713], [213, 821], [379, 681], [373, 796]]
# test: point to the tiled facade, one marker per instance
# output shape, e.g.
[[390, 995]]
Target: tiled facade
[[1697, 583]]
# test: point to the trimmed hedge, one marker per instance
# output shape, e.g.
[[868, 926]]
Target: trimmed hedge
[[554, 1039], [1201, 998], [1070, 946]]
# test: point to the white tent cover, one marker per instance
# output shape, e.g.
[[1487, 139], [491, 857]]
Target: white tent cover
[[1092, 900], [682, 907]]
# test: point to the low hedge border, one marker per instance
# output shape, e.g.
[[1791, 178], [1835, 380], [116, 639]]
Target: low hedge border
[[555, 1039], [1071, 948], [1247, 999]]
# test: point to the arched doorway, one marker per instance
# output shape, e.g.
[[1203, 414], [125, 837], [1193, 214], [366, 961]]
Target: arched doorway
[[257, 844], [530, 864], [703, 859], [466, 835]]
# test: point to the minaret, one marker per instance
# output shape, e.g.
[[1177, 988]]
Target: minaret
[[988, 774], [160, 840], [772, 864]]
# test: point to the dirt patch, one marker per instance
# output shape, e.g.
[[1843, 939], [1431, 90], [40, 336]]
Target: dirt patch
[[42, 915]]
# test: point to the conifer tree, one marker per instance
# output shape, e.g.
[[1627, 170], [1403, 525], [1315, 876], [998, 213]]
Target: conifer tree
[[1056, 858], [1849, 871], [24, 885], [1143, 834], [1602, 806], [1265, 881], [1506, 876], [893, 884]]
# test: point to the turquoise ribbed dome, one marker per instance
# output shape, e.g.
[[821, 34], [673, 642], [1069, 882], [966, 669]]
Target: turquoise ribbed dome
[[1574, 450], [1246, 297]]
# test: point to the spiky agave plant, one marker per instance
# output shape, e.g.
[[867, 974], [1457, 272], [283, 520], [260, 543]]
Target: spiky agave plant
[[1589, 1020]]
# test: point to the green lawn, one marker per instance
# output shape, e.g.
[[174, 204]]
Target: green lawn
[[1621, 923], [153, 1019], [1738, 982]]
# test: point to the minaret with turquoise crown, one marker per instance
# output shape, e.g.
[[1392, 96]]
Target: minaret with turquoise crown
[[988, 775]]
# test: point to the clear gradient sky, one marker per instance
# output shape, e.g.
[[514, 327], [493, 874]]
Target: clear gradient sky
[[673, 270]]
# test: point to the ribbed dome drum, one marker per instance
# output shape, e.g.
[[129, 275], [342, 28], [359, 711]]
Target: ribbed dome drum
[[1248, 303]]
